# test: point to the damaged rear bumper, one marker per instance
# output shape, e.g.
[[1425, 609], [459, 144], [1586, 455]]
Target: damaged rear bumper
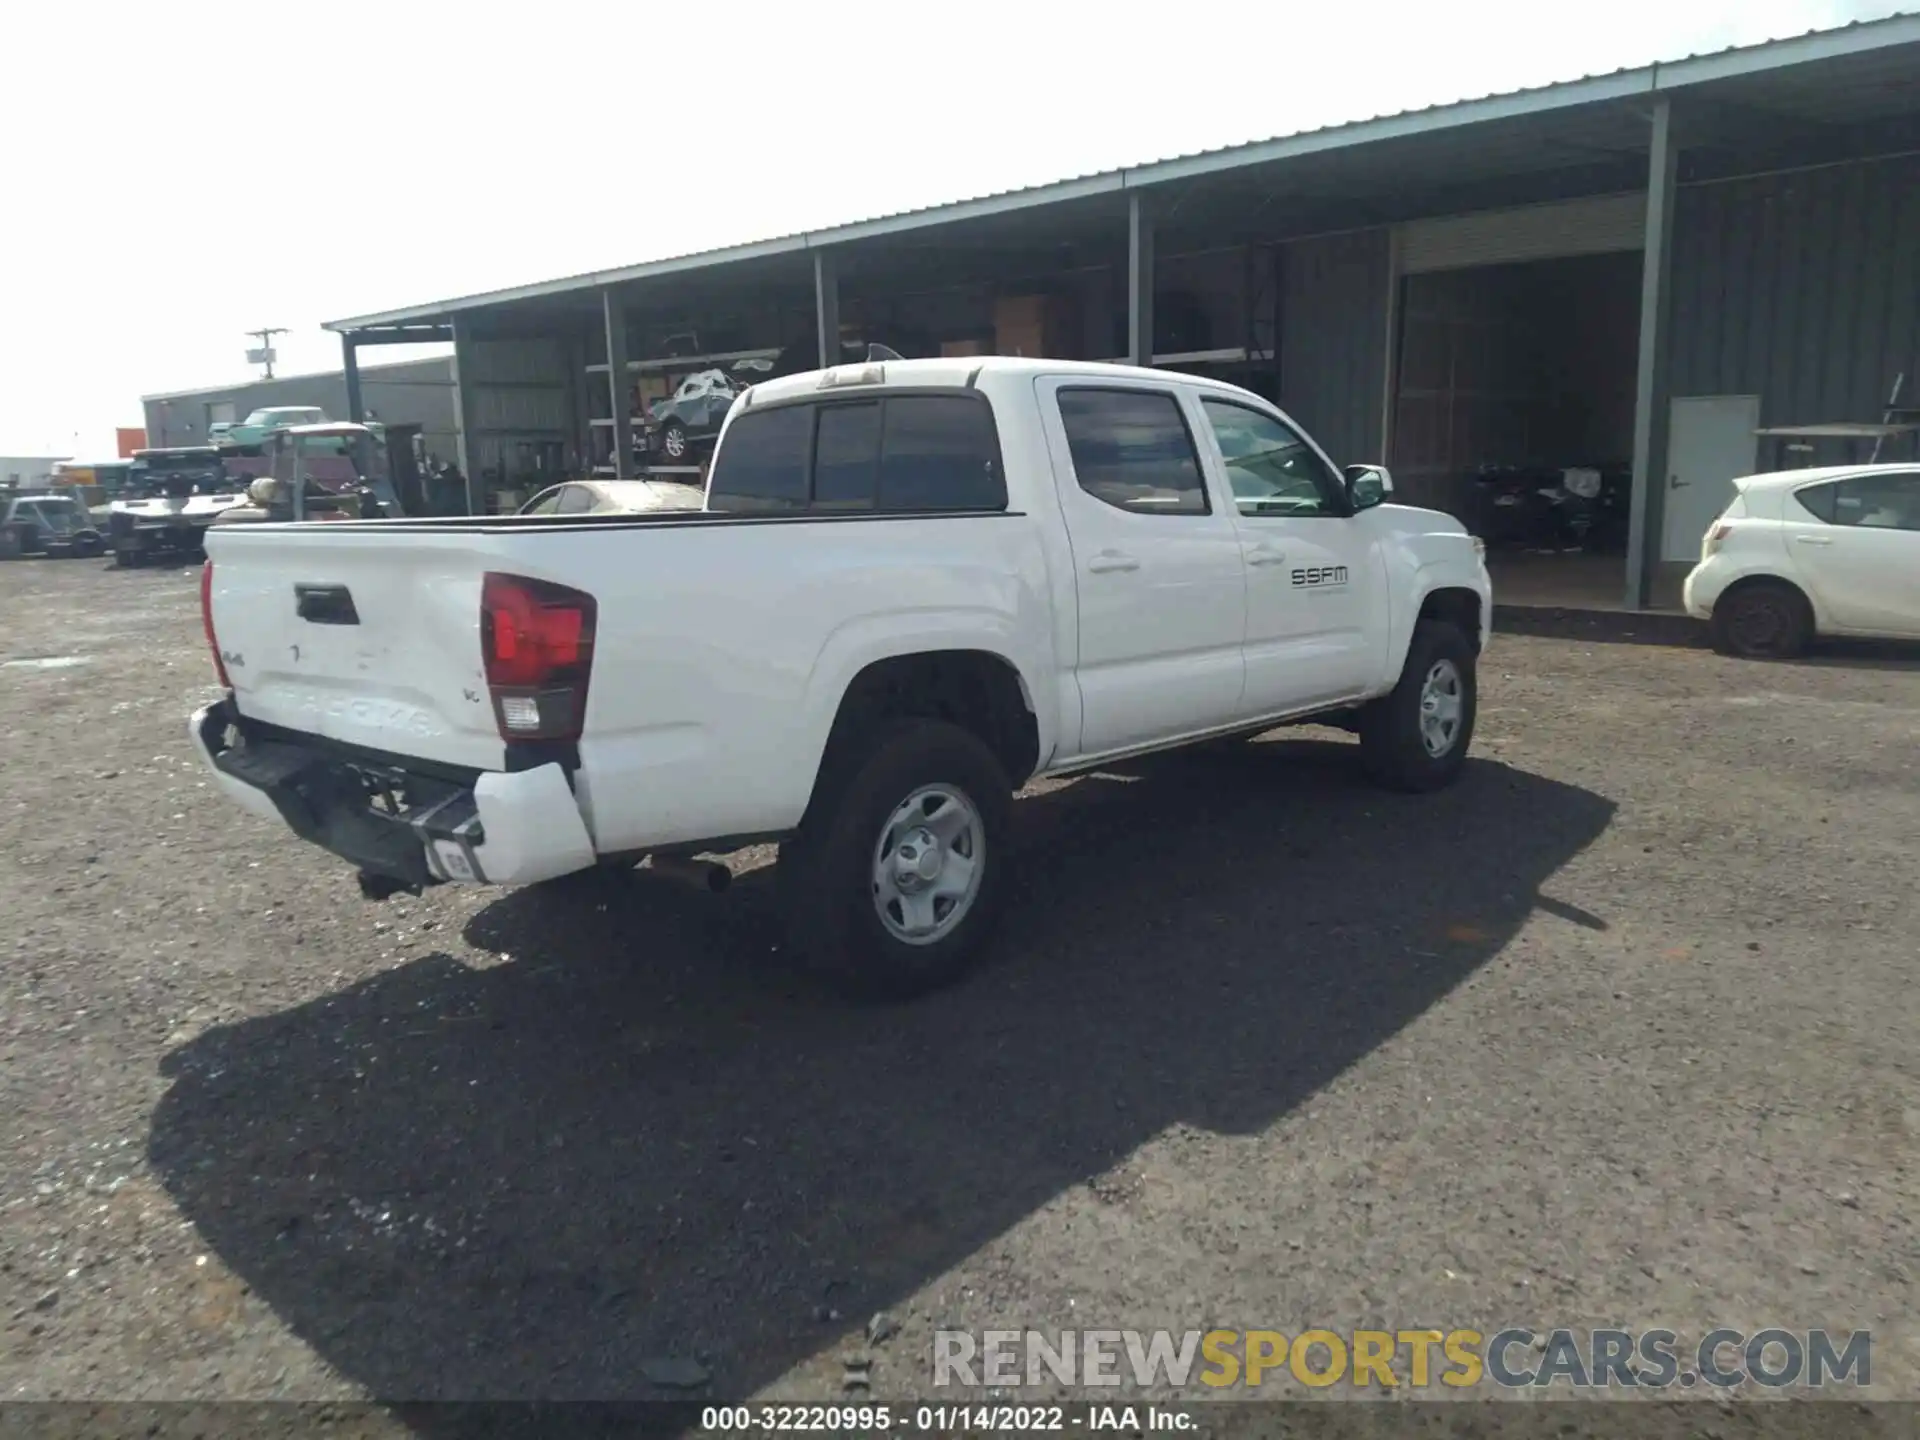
[[414, 824]]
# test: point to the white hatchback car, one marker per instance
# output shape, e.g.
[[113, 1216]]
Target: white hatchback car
[[615, 497], [1812, 552]]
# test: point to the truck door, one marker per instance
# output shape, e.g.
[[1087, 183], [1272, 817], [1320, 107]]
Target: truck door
[[1316, 607], [1157, 567]]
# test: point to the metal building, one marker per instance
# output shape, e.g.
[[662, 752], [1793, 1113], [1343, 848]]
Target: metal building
[[20, 472], [418, 392], [1651, 265]]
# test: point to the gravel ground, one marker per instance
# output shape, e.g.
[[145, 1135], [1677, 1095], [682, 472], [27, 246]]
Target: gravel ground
[[1621, 1030]]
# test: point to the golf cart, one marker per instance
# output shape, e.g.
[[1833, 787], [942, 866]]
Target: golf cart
[[331, 471]]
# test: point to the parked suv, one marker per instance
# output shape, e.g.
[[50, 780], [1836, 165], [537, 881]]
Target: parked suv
[[690, 415]]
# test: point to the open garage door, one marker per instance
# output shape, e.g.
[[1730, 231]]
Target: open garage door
[[1597, 226]]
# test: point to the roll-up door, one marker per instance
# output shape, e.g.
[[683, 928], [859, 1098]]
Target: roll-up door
[[1595, 226]]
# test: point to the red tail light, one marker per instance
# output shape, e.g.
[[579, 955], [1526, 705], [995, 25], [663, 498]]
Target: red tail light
[[206, 622], [537, 639]]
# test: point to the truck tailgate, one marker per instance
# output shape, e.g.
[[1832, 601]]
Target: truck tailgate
[[360, 634]]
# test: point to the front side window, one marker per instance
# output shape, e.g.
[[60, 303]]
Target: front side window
[[762, 463], [1131, 450], [547, 504], [575, 500], [1272, 470]]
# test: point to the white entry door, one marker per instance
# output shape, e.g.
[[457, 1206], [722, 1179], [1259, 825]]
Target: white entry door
[[1710, 441]]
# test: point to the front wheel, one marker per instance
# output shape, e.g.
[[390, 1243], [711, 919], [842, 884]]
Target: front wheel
[[895, 880], [1415, 737]]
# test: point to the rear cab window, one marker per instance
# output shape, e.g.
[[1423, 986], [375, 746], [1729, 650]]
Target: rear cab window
[[898, 453]]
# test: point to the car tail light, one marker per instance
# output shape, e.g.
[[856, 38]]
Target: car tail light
[[1714, 536], [537, 639], [206, 622]]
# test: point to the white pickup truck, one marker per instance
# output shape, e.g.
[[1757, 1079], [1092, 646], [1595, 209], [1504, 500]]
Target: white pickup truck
[[915, 586]]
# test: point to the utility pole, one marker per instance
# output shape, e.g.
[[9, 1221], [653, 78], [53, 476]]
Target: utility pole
[[264, 354]]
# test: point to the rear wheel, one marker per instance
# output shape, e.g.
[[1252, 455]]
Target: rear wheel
[[895, 880], [673, 440], [1766, 620], [1415, 737]]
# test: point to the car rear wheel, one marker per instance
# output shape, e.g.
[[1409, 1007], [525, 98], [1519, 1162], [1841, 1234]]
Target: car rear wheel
[[673, 440], [895, 880], [1764, 620]]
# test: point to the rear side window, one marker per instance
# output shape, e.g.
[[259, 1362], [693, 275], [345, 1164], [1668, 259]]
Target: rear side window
[[1879, 501], [897, 454], [762, 466], [1817, 500], [1132, 450]]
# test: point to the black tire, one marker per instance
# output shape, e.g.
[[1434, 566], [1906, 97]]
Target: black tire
[[827, 869], [10, 546], [1764, 620], [87, 545], [1393, 742], [127, 558], [673, 441]]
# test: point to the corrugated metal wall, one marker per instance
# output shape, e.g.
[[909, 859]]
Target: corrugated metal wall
[[517, 391], [1801, 288], [1333, 340]]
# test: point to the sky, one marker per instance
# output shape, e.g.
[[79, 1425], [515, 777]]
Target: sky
[[172, 176]]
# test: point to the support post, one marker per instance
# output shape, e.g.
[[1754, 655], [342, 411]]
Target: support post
[[826, 305], [614, 316], [466, 453], [350, 366], [1390, 348], [1650, 400], [1139, 280]]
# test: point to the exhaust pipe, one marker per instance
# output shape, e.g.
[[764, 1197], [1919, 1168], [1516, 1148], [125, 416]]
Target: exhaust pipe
[[708, 875]]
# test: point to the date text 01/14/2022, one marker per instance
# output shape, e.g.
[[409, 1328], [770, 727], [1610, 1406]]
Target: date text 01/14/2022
[[940, 1419]]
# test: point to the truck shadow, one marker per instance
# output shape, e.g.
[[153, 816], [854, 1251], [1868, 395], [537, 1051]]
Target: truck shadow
[[642, 1136]]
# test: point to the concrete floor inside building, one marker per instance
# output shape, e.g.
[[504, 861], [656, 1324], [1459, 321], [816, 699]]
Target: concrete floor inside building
[[1577, 581]]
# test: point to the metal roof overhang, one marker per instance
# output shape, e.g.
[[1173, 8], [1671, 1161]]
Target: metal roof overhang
[[1590, 134]]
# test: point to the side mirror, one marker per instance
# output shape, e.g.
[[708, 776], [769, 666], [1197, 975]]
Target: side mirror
[[1368, 485]]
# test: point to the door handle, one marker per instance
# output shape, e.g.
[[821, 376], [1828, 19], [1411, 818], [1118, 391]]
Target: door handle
[[1265, 553], [1108, 562], [1674, 482], [1814, 539]]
